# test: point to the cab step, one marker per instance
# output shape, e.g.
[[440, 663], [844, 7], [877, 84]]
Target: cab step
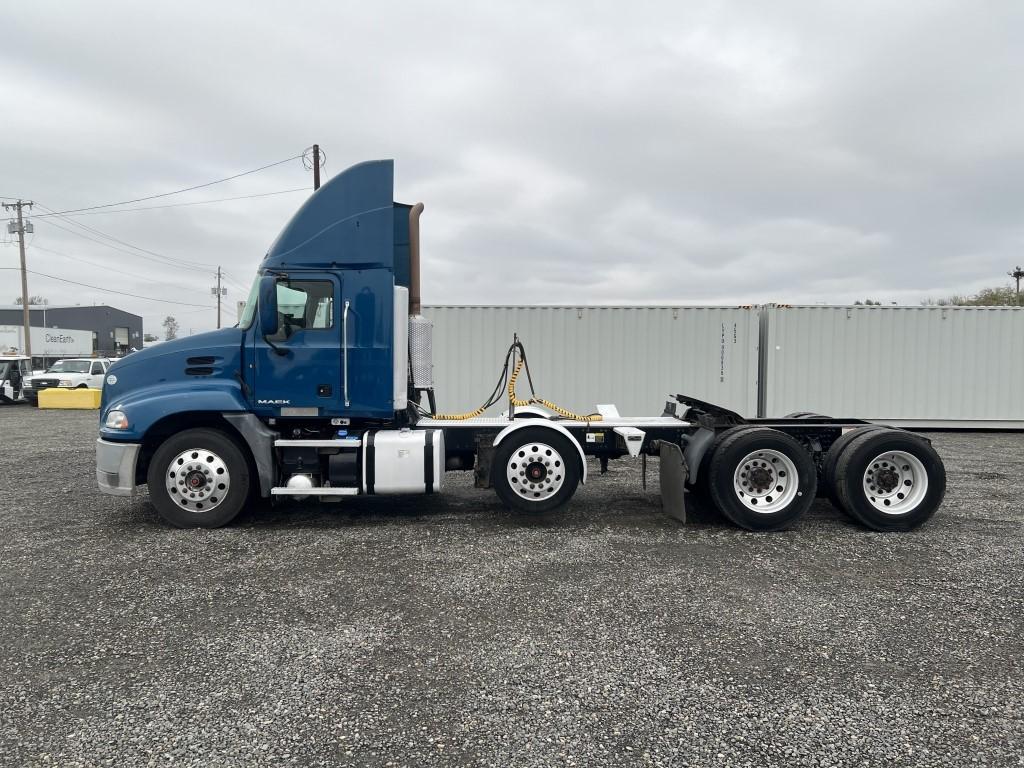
[[334, 442], [320, 491]]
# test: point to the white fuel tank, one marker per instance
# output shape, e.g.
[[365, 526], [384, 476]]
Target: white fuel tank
[[403, 461]]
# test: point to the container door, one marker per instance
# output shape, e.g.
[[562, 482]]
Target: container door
[[304, 371]]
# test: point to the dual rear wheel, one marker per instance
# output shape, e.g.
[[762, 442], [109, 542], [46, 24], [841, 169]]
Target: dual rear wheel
[[765, 480]]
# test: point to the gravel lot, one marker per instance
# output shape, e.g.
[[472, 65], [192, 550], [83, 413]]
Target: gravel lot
[[447, 631]]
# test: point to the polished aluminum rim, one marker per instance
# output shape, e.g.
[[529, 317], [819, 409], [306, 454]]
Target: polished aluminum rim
[[197, 480], [895, 482], [766, 481], [536, 471]]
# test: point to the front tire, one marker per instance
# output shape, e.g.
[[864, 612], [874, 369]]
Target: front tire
[[890, 480], [199, 478], [535, 469], [762, 479]]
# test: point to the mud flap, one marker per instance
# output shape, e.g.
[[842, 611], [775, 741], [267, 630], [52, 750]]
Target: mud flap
[[672, 477]]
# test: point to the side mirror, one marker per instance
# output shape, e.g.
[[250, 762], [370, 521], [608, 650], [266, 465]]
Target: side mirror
[[267, 303]]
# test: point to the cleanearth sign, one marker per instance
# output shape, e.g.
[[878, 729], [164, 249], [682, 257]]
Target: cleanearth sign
[[48, 342]]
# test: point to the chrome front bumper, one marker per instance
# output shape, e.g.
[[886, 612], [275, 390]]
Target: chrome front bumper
[[115, 467]]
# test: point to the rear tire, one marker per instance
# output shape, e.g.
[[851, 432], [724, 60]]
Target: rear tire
[[890, 480], [535, 469], [828, 465], [199, 478], [701, 488], [762, 479]]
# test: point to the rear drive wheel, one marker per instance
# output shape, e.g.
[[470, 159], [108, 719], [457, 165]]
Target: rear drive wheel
[[701, 488], [198, 478], [890, 480], [762, 479], [828, 465], [535, 469]]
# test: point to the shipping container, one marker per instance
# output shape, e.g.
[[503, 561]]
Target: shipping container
[[908, 366], [635, 357]]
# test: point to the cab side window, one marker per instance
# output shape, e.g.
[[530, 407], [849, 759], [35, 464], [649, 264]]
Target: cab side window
[[97, 368], [303, 305]]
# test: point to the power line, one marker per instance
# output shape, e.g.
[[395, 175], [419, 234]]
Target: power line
[[111, 290], [175, 192], [239, 286], [138, 252], [196, 202], [108, 267], [162, 262], [108, 236]]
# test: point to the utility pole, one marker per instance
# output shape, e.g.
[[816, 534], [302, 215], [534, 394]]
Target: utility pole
[[316, 167], [1017, 274], [218, 292], [24, 274]]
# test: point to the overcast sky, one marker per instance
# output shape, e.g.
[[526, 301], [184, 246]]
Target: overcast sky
[[676, 152]]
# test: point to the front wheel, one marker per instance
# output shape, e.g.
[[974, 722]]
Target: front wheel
[[198, 478], [890, 480], [762, 479], [535, 469]]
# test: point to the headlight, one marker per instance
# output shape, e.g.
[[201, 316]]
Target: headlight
[[116, 420], [64, 383]]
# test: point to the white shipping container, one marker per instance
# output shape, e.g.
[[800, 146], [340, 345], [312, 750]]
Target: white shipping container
[[909, 366], [48, 342], [635, 357]]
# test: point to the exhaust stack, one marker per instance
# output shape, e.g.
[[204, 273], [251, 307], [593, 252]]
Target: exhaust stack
[[421, 330], [415, 302]]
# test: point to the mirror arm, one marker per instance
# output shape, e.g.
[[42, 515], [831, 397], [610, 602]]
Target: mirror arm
[[280, 350]]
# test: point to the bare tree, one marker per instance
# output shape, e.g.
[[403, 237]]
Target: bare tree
[[170, 328]]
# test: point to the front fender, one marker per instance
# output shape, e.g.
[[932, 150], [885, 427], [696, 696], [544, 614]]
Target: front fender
[[547, 425], [147, 405]]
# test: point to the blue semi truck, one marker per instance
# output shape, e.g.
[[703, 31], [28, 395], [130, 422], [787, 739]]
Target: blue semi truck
[[324, 390]]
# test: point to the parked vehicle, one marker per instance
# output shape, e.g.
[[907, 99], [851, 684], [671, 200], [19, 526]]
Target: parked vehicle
[[71, 373], [14, 370], [319, 392]]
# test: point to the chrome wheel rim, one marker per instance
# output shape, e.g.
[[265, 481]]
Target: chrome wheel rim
[[536, 471], [766, 481], [197, 480], [895, 482]]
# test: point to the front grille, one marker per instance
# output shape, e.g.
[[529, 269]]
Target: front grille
[[197, 371], [45, 383]]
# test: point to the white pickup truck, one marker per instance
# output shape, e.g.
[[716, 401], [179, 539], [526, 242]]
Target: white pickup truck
[[72, 373]]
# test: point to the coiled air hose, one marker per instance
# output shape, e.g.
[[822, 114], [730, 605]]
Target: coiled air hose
[[517, 353]]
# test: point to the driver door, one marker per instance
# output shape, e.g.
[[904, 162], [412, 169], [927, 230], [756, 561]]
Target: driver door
[[304, 371]]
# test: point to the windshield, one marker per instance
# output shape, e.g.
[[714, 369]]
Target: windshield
[[245, 319], [70, 366]]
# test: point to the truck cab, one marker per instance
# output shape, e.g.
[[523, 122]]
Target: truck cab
[[315, 374]]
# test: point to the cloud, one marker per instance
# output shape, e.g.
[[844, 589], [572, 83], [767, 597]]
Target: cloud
[[643, 153]]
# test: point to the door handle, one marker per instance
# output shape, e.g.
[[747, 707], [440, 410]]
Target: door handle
[[344, 348]]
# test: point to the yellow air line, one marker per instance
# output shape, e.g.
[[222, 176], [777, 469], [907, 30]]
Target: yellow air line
[[457, 416], [541, 401]]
